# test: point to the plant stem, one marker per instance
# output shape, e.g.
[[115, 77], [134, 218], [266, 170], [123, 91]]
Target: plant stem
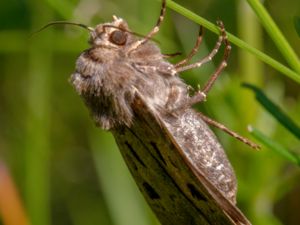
[[238, 42], [276, 35], [274, 146]]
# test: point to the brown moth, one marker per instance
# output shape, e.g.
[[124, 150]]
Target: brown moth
[[134, 92]]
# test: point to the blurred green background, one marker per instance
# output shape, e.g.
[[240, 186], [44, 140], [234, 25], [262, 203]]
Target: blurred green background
[[69, 172]]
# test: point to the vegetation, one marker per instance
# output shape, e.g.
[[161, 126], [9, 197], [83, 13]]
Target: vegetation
[[66, 171]]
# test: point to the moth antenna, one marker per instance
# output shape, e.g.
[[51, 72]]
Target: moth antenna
[[63, 23]]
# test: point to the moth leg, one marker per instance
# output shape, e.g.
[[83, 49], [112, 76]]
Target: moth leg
[[209, 57], [228, 131], [223, 63], [155, 29], [201, 95], [193, 51], [170, 55]]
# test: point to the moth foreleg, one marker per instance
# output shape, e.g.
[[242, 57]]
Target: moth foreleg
[[155, 29], [193, 51]]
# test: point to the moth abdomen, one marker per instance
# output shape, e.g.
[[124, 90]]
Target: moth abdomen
[[204, 151]]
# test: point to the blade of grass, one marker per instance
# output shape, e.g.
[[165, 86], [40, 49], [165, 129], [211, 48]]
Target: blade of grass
[[272, 108], [276, 147], [297, 25], [238, 42], [125, 206], [250, 68], [275, 34], [64, 8], [37, 119]]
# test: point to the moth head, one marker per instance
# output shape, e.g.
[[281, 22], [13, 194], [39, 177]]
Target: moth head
[[112, 35]]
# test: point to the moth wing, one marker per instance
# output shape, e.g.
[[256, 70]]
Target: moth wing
[[176, 191]]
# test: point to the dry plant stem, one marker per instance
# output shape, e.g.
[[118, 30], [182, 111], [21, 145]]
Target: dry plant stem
[[11, 208], [228, 131], [194, 50]]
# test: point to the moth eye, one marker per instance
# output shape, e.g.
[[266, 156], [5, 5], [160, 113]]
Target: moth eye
[[118, 37]]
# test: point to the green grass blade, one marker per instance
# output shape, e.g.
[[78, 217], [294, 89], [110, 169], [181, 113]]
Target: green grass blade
[[37, 141], [272, 108], [125, 206], [297, 25], [63, 8], [276, 147], [235, 40], [276, 35]]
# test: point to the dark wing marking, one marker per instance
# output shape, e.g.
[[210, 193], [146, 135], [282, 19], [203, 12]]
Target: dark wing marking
[[176, 191]]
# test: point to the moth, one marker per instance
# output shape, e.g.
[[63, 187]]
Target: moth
[[133, 91]]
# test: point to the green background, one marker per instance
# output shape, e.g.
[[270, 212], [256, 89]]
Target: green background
[[69, 172]]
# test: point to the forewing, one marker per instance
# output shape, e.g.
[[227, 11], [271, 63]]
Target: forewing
[[177, 192]]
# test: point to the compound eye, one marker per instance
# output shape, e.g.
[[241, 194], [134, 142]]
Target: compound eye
[[118, 37]]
